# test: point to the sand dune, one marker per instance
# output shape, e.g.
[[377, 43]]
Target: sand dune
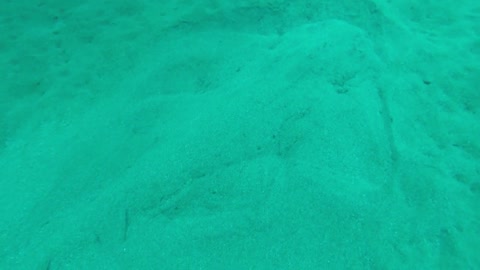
[[239, 135]]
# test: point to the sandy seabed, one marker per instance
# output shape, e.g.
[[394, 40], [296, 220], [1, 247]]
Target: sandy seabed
[[210, 134]]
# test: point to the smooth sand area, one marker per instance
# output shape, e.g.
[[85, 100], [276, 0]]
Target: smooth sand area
[[246, 134]]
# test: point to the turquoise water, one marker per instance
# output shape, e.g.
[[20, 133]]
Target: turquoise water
[[240, 134]]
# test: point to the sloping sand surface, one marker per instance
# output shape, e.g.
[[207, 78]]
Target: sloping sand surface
[[240, 134]]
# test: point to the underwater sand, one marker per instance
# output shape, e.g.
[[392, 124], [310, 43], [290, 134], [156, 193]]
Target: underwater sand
[[210, 134]]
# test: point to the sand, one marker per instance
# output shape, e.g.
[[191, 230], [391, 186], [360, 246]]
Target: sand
[[240, 135]]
